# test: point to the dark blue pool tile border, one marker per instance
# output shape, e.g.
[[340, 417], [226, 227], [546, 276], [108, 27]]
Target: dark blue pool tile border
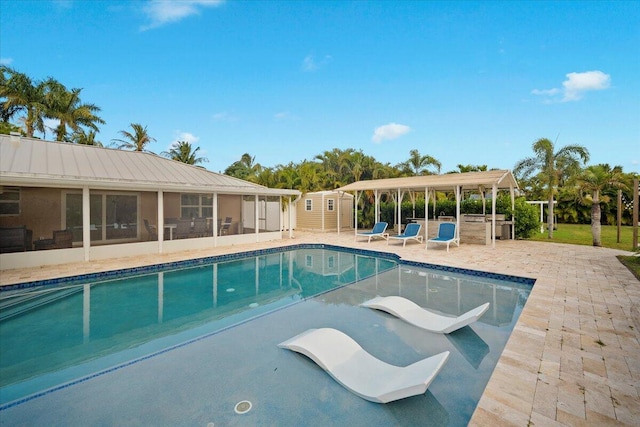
[[156, 268]]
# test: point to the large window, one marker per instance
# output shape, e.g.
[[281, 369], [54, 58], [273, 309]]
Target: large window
[[9, 201], [196, 205]]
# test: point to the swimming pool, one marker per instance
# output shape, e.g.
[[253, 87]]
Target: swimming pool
[[202, 336]]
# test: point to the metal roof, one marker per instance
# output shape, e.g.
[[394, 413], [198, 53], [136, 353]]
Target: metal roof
[[503, 179], [36, 162]]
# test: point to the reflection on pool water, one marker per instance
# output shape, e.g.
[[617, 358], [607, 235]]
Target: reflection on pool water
[[223, 319]]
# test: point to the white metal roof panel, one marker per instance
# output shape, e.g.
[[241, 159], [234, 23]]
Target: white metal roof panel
[[29, 161]]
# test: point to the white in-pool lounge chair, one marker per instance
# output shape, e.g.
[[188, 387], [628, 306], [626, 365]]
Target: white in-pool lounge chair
[[361, 373], [379, 230], [412, 313], [412, 231], [446, 235]]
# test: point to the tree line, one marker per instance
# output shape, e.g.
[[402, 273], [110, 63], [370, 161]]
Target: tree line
[[575, 192]]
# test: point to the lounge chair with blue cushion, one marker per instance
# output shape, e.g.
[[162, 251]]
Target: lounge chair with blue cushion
[[412, 313], [411, 232], [379, 230], [361, 373], [446, 235]]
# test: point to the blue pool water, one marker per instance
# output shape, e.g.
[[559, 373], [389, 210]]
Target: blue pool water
[[205, 333]]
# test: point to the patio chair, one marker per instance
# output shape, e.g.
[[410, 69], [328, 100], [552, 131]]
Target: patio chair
[[412, 313], [446, 235], [379, 230], [199, 227], [361, 373], [225, 226], [183, 228], [151, 230], [411, 232], [62, 239]]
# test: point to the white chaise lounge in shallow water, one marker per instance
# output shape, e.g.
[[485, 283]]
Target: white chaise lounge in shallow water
[[361, 373], [412, 313]]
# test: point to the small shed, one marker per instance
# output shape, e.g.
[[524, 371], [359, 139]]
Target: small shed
[[320, 211]]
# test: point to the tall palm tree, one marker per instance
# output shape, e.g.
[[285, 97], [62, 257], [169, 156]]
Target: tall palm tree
[[594, 180], [553, 165], [21, 94], [419, 164], [65, 106], [136, 140], [182, 151]]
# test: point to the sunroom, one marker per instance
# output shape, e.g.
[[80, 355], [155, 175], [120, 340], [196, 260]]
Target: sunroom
[[62, 202]]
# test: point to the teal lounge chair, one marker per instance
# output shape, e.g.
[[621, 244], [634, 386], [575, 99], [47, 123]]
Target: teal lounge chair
[[411, 232], [379, 230], [446, 235]]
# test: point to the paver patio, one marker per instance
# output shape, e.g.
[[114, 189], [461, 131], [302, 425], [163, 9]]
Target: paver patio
[[573, 357]]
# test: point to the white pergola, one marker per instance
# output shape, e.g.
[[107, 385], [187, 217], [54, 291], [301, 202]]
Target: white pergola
[[457, 182]]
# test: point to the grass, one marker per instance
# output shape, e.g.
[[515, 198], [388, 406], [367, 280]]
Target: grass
[[580, 234], [632, 263]]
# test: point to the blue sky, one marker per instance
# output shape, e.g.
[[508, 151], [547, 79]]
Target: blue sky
[[465, 82]]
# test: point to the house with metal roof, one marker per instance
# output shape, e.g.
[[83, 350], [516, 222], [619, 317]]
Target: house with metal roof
[[62, 202]]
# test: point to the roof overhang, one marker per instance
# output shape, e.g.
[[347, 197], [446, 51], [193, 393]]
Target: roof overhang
[[470, 181]]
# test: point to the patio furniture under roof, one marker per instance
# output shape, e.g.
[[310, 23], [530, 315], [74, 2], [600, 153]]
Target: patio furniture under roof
[[493, 180]]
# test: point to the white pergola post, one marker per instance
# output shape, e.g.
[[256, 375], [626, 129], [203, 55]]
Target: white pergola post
[[290, 218], [399, 208], [513, 210], [494, 195], [214, 226], [355, 211], [376, 208], [458, 212], [426, 216]]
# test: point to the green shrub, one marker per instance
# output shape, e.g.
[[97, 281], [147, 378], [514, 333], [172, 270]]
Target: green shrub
[[527, 218]]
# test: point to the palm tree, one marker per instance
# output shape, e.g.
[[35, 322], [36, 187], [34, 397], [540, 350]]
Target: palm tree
[[469, 168], [593, 181], [21, 94], [419, 164], [136, 140], [65, 106], [84, 138], [553, 166], [244, 168], [182, 151]]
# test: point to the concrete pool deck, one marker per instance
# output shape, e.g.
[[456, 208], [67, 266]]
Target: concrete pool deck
[[573, 357]]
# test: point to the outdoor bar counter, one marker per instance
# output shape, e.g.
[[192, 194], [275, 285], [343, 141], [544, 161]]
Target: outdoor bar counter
[[474, 228]]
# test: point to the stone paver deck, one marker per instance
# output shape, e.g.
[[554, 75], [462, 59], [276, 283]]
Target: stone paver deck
[[574, 356]]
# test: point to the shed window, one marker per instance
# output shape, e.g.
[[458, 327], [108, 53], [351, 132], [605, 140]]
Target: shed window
[[10, 201], [308, 205], [330, 205]]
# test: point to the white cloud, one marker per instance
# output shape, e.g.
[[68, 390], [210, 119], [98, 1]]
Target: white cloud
[[162, 12], [6, 61], [575, 86], [223, 116], [310, 63], [389, 131], [283, 115], [185, 136]]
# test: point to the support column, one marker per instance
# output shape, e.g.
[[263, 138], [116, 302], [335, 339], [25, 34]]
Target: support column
[[494, 196], [426, 217], [513, 210], [458, 213], [214, 226], [256, 212], [160, 220], [86, 222]]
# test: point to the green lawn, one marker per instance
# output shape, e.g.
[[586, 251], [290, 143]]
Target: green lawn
[[580, 234]]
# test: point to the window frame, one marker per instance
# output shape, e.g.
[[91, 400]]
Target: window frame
[[9, 202], [308, 205]]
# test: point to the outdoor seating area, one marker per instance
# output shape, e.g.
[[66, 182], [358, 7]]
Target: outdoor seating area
[[61, 239], [15, 239]]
